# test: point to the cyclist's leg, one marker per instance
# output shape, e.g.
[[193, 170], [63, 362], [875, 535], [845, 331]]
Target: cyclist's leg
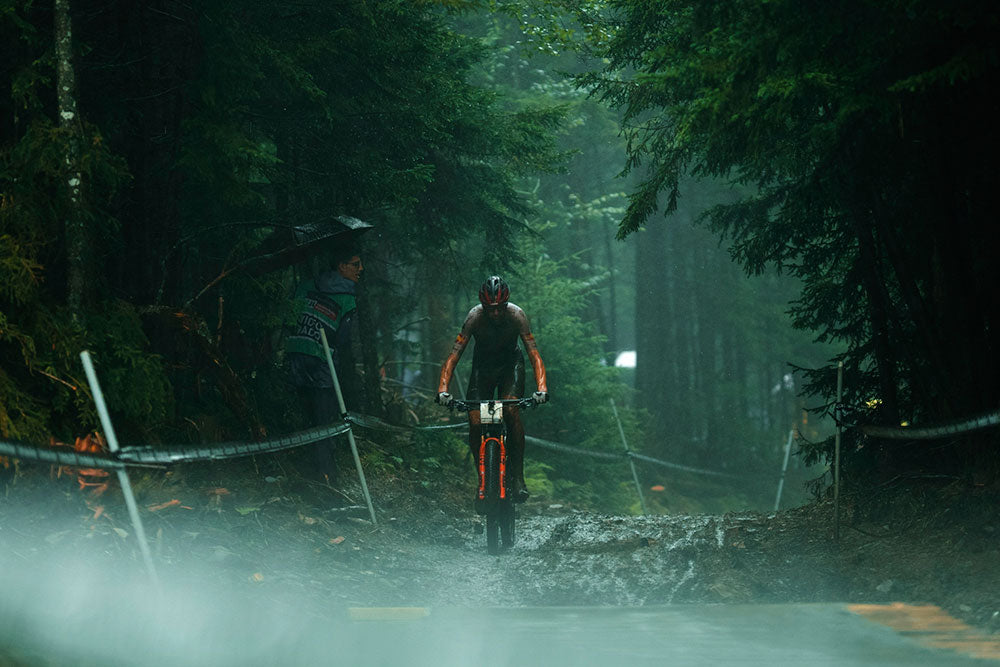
[[512, 386]]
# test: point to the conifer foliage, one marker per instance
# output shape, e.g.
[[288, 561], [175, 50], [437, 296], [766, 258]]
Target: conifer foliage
[[202, 131], [864, 133]]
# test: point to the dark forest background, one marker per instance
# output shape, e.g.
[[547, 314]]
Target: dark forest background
[[791, 184]]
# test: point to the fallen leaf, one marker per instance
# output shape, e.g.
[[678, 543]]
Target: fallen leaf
[[169, 503], [337, 540], [121, 533], [308, 520], [257, 577]]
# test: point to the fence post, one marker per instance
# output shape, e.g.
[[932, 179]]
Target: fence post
[[350, 430], [123, 480], [784, 467], [836, 454], [635, 476]]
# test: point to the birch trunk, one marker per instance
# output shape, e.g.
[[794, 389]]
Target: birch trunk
[[69, 124]]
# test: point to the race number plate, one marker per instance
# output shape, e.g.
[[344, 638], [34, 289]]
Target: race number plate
[[490, 413]]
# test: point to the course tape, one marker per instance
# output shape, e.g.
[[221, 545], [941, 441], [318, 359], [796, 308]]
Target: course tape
[[57, 455], [931, 432], [558, 446], [228, 450], [148, 455], [375, 423], [678, 466]]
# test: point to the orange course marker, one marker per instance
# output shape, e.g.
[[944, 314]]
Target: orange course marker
[[932, 627]]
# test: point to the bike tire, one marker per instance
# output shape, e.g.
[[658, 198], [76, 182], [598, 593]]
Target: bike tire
[[492, 492], [506, 521], [493, 532]]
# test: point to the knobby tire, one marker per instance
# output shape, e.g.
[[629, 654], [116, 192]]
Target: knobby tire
[[493, 532], [494, 513], [506, 520]]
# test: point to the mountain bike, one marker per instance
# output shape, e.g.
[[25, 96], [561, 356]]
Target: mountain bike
[[494, 495]]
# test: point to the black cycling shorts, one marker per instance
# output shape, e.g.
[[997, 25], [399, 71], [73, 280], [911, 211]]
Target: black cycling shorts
[[505, 380]]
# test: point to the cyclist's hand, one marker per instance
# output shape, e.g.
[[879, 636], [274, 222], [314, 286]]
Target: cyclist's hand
[[540, 396], [444, 398]]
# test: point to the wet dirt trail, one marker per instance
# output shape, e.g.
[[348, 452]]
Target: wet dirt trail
[[255, 574]]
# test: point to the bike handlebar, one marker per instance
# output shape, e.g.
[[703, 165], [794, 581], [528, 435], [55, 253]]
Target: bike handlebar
[[459, 404]]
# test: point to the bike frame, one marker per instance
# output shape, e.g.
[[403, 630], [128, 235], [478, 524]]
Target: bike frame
[[493, 497], [492, 430]]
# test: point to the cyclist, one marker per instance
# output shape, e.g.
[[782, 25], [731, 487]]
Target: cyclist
[[497, 365]]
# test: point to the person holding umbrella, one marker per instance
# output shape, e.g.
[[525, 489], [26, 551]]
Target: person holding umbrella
[[328, 302]]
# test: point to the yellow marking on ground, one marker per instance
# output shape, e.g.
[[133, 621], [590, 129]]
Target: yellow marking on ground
[[931, 626], [387, 613]]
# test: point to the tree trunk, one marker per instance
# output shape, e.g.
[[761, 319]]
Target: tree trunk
[[651, 328], [612, 332], [369, 355], [154, 47], [69, 123], [439, 334]]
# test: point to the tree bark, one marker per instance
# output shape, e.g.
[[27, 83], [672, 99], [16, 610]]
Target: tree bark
[[369, 355], [652, 327], [612, 332], [69, 123]]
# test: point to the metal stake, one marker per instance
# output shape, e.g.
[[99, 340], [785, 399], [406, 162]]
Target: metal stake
[[350, 432], [631, 462], [836, 454], [123, 480], [784, 467]]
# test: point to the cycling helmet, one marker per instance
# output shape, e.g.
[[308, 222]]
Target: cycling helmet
[[494, 292]]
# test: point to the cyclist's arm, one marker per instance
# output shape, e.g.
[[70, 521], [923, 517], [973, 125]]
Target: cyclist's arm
[[532, 349], [456, 353]]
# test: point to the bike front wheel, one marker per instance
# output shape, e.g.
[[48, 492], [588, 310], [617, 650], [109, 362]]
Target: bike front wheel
[[493, 532], [506, 520], [500, 528]]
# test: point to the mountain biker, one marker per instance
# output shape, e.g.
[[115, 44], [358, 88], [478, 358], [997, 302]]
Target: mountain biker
[[497, 365]]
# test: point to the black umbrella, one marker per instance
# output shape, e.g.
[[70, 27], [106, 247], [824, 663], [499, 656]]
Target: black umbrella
[[295, 244], [292, 244]]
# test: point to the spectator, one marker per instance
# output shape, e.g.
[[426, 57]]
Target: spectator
[[326, 303]]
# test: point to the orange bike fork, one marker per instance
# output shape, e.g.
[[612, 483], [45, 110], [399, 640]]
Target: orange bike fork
[[482, 465]]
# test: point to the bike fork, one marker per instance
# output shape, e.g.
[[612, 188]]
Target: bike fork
[[484, 472]]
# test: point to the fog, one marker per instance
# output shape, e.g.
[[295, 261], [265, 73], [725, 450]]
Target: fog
[[577, 590]]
